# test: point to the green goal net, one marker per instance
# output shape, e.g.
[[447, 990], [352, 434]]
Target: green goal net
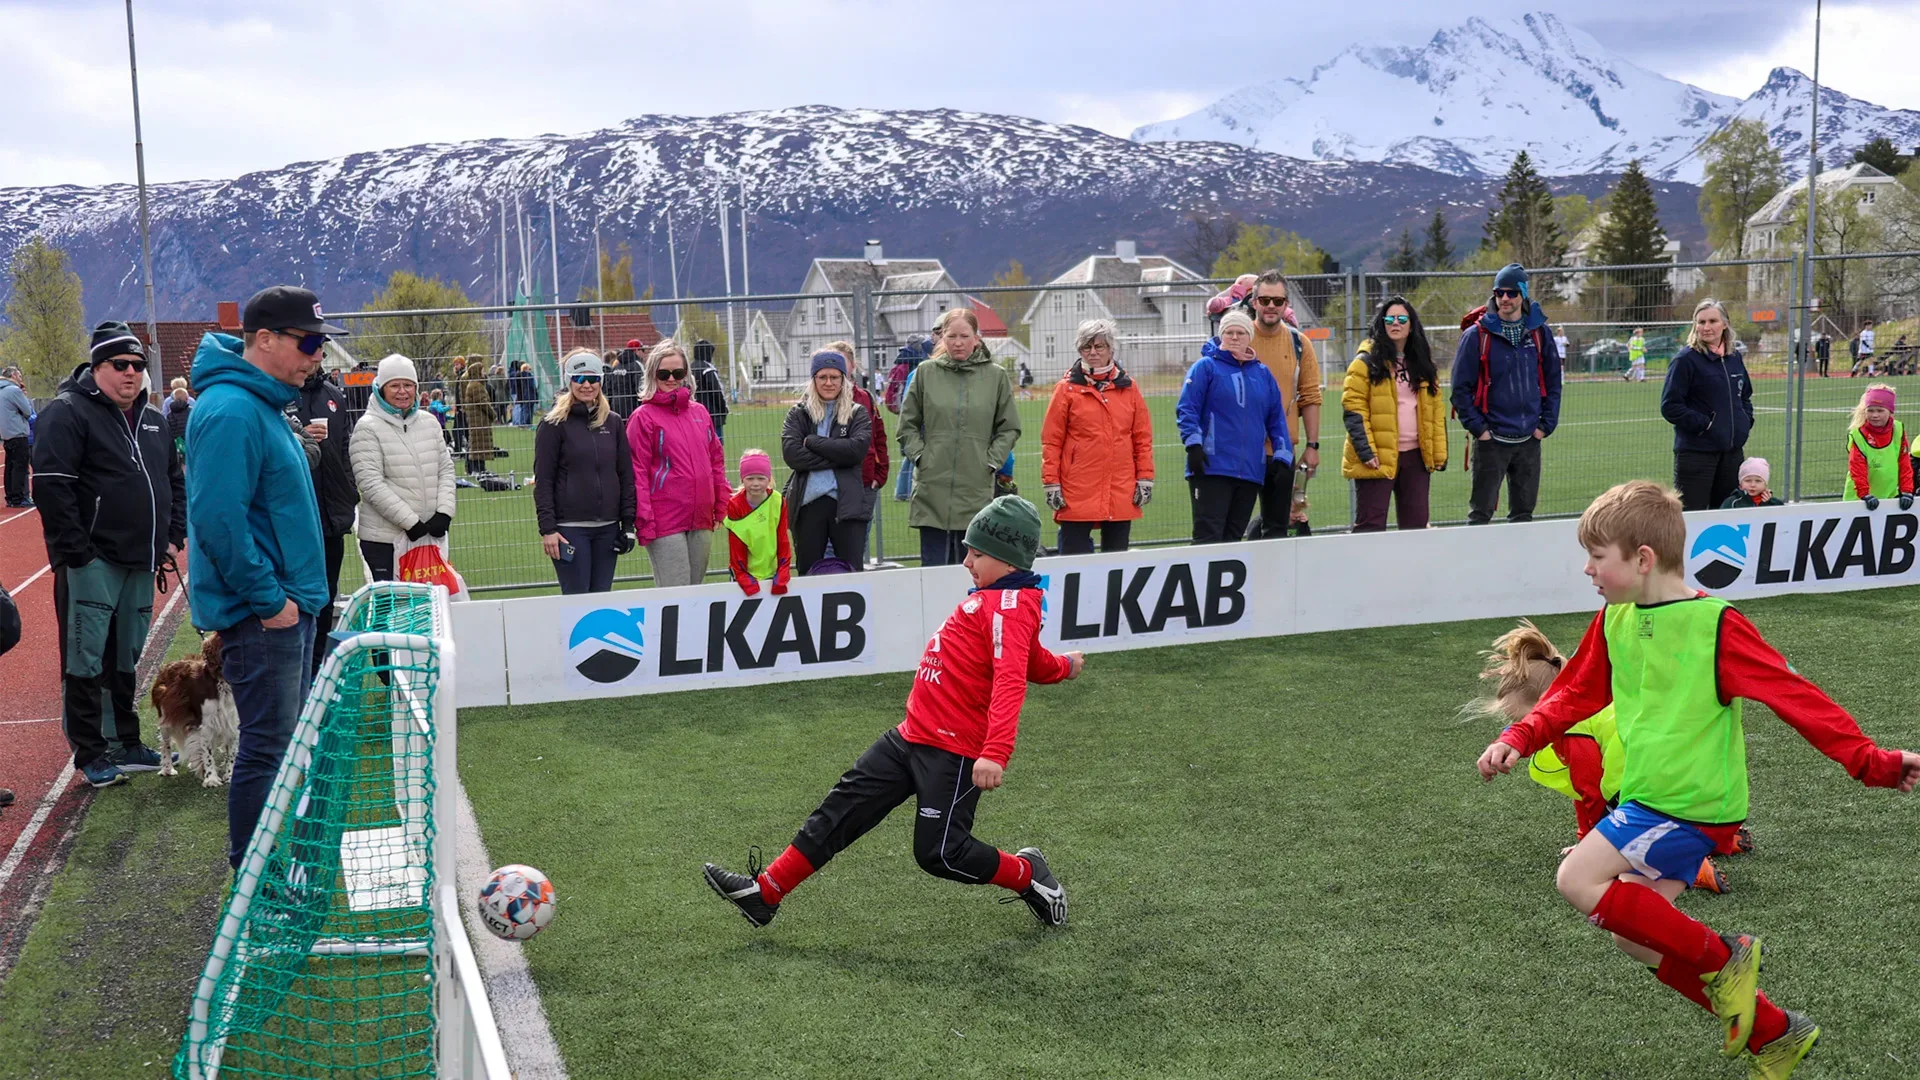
[[327, 960]]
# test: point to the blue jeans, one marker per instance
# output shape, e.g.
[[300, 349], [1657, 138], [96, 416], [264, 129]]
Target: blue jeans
[[522, 413], [270, 671], [903, 487], [593, 559]]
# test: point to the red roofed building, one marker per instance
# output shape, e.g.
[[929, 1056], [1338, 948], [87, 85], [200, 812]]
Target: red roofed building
[[180, 340], [619, 328], [991, 325]]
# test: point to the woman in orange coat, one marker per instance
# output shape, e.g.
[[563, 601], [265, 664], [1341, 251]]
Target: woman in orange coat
[[1096, 447]]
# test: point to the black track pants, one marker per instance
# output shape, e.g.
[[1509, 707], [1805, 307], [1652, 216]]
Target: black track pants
[[885, 775]]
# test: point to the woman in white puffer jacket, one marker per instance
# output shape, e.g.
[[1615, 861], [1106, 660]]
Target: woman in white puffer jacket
[[402, 466]]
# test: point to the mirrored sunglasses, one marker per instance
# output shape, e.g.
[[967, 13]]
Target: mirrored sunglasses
[[1395, 320], [309, 343], [590, 380]]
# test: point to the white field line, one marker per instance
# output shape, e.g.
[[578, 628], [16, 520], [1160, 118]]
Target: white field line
[[37, 574], [511, 992], [46, 720], [25, 840], [15, 517]]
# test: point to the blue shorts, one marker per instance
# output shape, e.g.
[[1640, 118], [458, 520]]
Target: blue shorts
[[1656, 845]]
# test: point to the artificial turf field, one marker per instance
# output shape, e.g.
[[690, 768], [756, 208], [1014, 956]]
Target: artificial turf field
[[1610, 430], [1279, 861]]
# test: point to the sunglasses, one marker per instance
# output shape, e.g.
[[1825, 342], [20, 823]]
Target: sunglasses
[[1505, 294], [670, 374], [1396, 320], [309, 343], [128, 365], [1270, 301], [590, 380]]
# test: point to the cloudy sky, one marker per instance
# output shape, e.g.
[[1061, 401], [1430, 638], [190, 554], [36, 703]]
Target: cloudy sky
[[229, 86]]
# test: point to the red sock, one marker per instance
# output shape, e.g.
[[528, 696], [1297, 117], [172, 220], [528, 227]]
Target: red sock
[[1769, 1021], [1645, 918], [1015, 873], [784, 876], [1684, 979]]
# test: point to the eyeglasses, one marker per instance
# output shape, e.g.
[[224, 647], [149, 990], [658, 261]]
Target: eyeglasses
[[125, 365], [1396, 320], [670, 374], [309, 343], [1505, 294], [589, 380], [1270, 301]]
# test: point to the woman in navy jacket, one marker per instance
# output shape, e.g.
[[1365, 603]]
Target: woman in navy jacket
[[1708, 398]]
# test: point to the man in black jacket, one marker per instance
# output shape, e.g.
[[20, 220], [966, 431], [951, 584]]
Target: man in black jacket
[[708, 390], [113, 507], [321, 414]]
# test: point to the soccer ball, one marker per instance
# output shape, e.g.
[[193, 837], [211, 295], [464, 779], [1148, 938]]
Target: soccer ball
[[516, 902]]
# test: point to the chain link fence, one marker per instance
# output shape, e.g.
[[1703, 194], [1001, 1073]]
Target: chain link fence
[[1610, 428]]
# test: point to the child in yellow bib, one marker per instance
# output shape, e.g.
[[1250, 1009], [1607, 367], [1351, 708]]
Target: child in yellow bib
[[1879, 461], [1675, 665], [758, 547]]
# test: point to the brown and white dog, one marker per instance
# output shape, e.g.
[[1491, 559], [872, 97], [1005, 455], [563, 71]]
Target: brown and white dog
[[197, 716]]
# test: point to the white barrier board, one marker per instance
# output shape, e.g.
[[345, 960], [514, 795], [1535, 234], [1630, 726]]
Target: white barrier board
[[647, 641]]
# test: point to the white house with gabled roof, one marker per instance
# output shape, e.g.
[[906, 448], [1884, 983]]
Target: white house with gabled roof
[[924, 289], [1161, 317]]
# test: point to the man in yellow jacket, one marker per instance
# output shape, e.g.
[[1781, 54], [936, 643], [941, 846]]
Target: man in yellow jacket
[[1289, 355]]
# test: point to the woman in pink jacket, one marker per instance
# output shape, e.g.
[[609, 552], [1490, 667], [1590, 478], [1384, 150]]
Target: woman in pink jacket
[[679, 471]]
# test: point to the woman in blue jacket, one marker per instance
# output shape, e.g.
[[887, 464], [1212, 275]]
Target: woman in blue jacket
[[1708, 399], [1230, 410]]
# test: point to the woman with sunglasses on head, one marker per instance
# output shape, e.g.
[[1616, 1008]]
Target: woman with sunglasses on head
[[403, 467], [583, 494], [1396, 420], [679, 471]]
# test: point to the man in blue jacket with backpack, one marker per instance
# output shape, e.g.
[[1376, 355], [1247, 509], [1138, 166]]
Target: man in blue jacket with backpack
[[1506, 390]]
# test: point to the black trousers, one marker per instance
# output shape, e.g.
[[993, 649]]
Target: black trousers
[[813, 525], [1705, 478], [336, 550], [1222, 506], [889, 771], [594, 562], [379, 559], [942, 547], [83, 700], [1076, 537], [1517, 465], [1276, 499], [17, 454]]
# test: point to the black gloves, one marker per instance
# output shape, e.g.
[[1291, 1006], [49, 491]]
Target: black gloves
[[1906, 502], [419, 528], [438, 524], [1196, 460], [626, 541], [1872, 502]]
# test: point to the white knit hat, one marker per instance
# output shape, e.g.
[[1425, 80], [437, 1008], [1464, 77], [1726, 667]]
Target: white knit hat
[[394, 367]]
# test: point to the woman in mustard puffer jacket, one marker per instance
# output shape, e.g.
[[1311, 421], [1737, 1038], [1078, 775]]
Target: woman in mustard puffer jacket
[[1396, 420]]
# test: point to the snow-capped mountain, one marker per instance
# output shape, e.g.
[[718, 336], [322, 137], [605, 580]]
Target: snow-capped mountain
[[973, 190], [1475, 95]]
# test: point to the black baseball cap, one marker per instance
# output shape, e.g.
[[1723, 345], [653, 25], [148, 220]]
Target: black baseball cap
[[287, 307]]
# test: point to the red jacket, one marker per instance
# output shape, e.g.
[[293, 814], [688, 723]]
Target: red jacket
[[1747, 667], [737, 553], [973, 677], [873, 471]]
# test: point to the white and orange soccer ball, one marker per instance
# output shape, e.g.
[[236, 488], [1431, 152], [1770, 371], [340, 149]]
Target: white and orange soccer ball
[[516, 902]]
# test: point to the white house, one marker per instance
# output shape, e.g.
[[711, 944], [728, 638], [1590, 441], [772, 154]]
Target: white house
[[1162, 320], [920, 290], [1682, 279], [762, 351], [1773, 233]]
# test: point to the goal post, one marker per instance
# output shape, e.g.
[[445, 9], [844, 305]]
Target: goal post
[[342, 951]]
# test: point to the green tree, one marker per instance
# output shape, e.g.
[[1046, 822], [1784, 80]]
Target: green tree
[[1844, 286], [697, 323], [1404, 260], [1437, 252], [1743, 172], [1523, 224], [430, 341], [616, 277], [49, 333], [1573, 213], [1630, 234], [1010, 306], [1880, 154], [1258, 248]]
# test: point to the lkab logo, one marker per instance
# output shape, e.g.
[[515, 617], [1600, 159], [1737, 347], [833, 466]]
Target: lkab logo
[[606, 645]]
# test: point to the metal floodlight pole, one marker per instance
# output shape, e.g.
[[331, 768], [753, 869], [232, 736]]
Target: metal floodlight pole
[[553, 244], [1813, 208], [146, 247], [599, 280]]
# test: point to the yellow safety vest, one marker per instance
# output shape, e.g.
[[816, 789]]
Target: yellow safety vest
[[1547, 770], [1883, 464], [760, 532]]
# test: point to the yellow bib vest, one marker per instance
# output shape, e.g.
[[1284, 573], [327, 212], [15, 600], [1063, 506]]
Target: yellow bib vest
[[760, 532], [1883, 464], [1549, 771], [1684, 752]]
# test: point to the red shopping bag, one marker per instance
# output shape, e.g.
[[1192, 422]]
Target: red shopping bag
[[425, 561]]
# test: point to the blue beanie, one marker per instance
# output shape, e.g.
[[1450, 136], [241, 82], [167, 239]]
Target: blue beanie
[[827, 358], [1512, 276]]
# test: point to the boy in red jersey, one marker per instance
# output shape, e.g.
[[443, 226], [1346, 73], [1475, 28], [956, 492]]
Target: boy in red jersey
[[962, 716], [1674, 663]]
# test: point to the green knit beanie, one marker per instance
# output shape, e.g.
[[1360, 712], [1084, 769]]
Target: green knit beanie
[[1008, 529]]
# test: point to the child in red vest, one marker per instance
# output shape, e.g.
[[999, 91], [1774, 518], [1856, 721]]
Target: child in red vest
[[758, 546], [962, 717], [1674, 664]]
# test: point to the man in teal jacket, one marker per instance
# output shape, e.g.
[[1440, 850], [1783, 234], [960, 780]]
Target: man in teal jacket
[[256, 571]]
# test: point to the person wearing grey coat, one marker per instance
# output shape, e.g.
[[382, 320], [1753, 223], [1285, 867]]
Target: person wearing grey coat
[[824, 441], [16, 434]]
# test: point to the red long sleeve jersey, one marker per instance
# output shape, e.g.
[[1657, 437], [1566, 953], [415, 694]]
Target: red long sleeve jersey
[[973, 677], [1747, 667]]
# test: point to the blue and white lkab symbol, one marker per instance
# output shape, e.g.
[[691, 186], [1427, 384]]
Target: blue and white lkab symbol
[[1719, 555], [606, 645]]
